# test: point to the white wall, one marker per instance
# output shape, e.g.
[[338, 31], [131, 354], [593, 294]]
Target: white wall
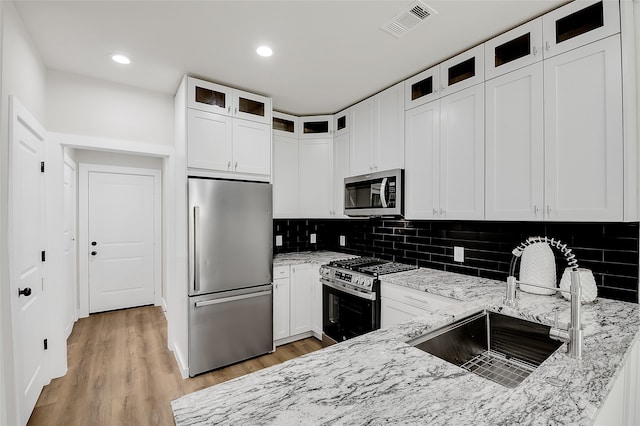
[[23, 75], [86, 106]]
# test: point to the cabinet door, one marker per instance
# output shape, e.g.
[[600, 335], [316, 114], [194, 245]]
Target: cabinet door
[[315, 170], [316, 127], [209, 140], [280, 308], [340, 171], [462, 154], [389, 130], [301, 299], [342, 122], [583, 133], [209, 97], [514, 161], [285, 177], [514, 49], [421, 173], [393, 312], [249, 106], [422, 88], [285, 125], [316, 300], [361, 158], [579, 23], [251, 147], [462, 71]]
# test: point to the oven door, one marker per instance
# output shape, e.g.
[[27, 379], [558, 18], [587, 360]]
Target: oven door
[[347, 313]]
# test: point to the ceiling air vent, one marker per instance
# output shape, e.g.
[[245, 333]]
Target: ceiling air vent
[[407, 19]]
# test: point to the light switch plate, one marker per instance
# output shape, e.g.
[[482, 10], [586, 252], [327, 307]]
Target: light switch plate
[[343, 240], [458, 254], [278, 240], [312, 238]]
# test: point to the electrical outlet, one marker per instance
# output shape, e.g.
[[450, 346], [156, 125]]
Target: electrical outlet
[[458, 254], [278, 240], [343, 240], [312, 238]]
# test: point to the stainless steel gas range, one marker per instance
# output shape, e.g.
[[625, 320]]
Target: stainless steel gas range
[[351, 296]]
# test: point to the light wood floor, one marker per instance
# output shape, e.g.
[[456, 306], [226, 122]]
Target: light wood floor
[[120, 372]]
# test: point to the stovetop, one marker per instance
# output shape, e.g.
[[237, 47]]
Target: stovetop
[[371, 265]]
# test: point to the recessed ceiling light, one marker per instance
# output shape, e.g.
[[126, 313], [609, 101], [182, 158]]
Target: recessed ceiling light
[[121, 59], [264, 51]]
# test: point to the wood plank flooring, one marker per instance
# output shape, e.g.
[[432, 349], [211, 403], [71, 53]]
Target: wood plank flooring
[[120, 372]]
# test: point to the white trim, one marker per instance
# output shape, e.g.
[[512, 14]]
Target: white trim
[[73, 303], [83, 228], [182, 363], [112, 145]]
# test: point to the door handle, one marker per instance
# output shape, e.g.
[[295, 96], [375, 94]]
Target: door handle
[[196, 248], [93, 253], [231, 299], [24, 292], [93, 243]]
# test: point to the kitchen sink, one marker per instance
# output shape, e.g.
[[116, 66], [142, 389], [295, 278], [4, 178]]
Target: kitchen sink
[[497, 347]]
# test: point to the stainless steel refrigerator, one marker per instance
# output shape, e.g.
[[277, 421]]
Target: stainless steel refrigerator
[[230, 272]]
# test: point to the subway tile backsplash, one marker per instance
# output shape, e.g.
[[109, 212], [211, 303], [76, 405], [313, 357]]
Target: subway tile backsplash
[[610, 250]]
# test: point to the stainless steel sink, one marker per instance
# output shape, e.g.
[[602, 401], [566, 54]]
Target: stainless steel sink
[[497, 347]]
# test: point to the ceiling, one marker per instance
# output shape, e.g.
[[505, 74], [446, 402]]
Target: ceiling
[[327, 54]]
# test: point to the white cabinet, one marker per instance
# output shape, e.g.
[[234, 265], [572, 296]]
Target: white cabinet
[[377, 132], [444, 174], [315, 173], [316, 302], [579, 23], [422, 164], [462, 71], [251, 147], [316, 127], [209, 140], [583, 133], [301, 299], [514, 49], [212, 97], [281, 307], [340, 171], [399, 304], [342, 122], [514, 161], [286, 187], [462, 155], [285, 125], [422, 88]]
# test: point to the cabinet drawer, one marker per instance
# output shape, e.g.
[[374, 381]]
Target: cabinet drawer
[[419, 299], [280, 272]]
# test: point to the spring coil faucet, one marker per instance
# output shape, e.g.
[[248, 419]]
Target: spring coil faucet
[[573, 336]]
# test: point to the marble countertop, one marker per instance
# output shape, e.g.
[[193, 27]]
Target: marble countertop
[[378, 378], [317, 257]]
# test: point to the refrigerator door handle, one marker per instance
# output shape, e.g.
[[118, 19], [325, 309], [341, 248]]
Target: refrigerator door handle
[[196, 249], [231, 299]]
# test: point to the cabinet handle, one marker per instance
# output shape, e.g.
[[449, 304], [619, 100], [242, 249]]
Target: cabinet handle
[[229, 165], [229, 109], [236, 111], [370, 168], [548, 209], [435, 212], [535, 50], [442, 212], [236, 166], [547, 45]]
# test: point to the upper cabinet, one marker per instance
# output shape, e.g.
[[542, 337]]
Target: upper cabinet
[[422, 88], [285, 125], [579, 23], [514, 49], [462, 71], [377, 132], [316, 127], [342, 122], [212, 97]]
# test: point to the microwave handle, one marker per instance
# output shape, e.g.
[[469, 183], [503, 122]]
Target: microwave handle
[[383, 190]]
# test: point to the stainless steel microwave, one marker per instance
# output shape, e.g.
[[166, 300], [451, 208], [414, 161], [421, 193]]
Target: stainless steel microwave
[[375, 194]]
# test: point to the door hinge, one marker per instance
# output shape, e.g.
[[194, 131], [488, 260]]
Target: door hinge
[[42, 253], [46, 344], [42, 166]]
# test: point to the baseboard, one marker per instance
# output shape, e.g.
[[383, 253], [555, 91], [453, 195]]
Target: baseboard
[[294, 338], [182, 364]]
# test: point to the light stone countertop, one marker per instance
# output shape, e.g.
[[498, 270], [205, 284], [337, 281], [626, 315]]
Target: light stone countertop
[[379, 379]]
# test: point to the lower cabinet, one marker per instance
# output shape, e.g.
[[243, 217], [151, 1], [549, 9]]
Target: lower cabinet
[[297, 303], [399, 304]]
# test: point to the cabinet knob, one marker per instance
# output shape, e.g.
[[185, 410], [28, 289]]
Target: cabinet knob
[[547, 45]]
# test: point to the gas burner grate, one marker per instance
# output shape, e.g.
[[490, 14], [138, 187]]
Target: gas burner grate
[[388, 268], [371, 265]]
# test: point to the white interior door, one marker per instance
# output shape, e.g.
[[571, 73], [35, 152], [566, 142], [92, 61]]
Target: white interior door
[[70, 245], [26, 245], [121, 240]]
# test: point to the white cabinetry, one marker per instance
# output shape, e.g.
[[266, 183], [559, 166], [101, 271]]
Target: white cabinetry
[[316, 302], [583, 133], [301, 298], [209, 139], [462, 71], [444, 173], [515, 145], [422, 88], [399, 304], [377, 132], [316, 127], [286, 187], [514, 49], [281, 302], [340, 171], [579, 23], [316, 177]]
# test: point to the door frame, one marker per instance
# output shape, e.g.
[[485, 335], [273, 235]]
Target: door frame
[[83, 228], [73, 297]]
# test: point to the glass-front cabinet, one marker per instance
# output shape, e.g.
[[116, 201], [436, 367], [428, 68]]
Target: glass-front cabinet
[[514, 49], [316, 126], [422, 88], [462, 71], [285, 125], [579, 23], [250, 106], [342, 122]]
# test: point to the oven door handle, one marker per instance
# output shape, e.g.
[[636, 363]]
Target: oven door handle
[[360, 294]]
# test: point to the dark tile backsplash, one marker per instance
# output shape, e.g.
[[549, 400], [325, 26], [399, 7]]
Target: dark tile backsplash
[[610, 250]]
